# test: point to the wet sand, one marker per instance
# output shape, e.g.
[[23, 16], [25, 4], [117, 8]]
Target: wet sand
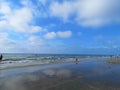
[[85, 75]]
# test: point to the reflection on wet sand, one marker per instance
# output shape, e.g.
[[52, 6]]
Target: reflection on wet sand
[[92, 75], [60, 73]]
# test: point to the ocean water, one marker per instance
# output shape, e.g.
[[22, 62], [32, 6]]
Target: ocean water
[[18, 60]]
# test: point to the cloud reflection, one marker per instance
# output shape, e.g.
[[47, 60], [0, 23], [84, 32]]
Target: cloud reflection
[[61, 73]]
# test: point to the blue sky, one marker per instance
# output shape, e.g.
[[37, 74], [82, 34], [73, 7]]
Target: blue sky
[[60, 26]]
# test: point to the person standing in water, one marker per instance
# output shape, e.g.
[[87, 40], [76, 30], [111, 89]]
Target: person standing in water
[[76, 60], [1, 57]]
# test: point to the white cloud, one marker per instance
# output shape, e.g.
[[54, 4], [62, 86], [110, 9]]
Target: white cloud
[[32, 44], [6, 44], [3, 35], [61, 10], [60, 34], [5, 41], [65, 34], [36, 41], [50, 35], [88, 12], [35, 29], [18, 19], [4, 8], [2, 24]]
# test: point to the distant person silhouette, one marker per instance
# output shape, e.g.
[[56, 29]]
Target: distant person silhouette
[[76, 60], [1, 57]]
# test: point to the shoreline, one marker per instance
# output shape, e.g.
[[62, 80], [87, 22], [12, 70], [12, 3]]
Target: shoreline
[[52, 63]]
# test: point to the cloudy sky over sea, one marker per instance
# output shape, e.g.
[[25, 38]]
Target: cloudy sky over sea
[[60, 26]]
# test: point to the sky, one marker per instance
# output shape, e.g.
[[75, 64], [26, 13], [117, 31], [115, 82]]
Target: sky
[[60, 26]]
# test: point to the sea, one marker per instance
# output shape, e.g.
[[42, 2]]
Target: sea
[[12, 60]]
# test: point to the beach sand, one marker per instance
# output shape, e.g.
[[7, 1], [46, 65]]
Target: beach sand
[[85, 75]]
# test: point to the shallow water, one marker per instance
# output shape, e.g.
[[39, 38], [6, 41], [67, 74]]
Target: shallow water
[[18, 60], [86, 75]]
